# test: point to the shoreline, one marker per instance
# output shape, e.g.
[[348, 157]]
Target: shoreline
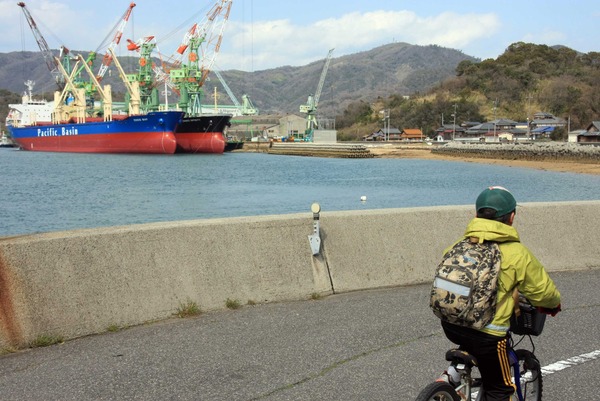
[[417, 151], [410, 152]]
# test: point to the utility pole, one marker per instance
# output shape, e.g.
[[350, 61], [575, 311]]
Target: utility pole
[[529, 97], [387, 116], [495, 106], [454, 123], [386, 123]]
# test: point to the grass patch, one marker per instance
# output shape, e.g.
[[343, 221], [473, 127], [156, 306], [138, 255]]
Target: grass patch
[[233, 303], [113, 328], [189, 308], [4, 351], [316, 296], [46, 340]]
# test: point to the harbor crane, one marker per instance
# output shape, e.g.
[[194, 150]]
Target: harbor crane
[[120, 27], [144, 78], [201, 44], [246, 108], [310, 108], [60, 67], [46, 52]]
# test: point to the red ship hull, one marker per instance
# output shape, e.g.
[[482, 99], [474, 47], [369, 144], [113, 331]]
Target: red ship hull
[[152, 133], [202, 134], [140, 142], [192, 142]]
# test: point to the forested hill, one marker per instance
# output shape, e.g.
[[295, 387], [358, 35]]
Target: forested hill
[[524, 80], [397, 68]]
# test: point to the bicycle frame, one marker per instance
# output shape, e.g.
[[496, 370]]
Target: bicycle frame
[[466, 386]]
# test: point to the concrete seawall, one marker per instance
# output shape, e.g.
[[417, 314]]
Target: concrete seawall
[[75, 283]]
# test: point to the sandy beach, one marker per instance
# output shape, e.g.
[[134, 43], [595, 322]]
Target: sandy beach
[[425, 153]]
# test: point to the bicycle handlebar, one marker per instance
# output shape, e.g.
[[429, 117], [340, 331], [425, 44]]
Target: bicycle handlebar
[[549, 311]]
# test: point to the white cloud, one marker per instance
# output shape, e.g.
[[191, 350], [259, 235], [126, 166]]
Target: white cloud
[[57, 22], [261, 44], [268, 44]]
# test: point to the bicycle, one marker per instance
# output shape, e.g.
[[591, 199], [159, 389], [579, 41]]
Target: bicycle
[[525, 368]]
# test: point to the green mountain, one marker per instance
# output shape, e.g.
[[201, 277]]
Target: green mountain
[[397, 68], [524, 80], [419, 85]]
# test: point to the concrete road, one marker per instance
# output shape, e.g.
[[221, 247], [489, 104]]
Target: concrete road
[[369, 345]]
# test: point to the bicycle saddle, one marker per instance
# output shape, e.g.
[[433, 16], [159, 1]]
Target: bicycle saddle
[[458, 356]]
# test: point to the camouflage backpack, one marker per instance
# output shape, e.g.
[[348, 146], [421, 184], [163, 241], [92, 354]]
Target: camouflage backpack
[[465, 285]]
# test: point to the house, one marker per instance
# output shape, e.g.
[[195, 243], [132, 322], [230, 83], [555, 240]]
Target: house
[[591, 134], [496, 131], [448, 132], [375, 136], [392, 134], [541, 132], [594, 127], [543, 124], [542, 119], [574, 135], [412, 134]]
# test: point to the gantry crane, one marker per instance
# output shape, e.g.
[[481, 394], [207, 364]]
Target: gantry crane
[[310, 108]]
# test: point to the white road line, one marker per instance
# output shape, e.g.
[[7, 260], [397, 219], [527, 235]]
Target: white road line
[[567, 363]]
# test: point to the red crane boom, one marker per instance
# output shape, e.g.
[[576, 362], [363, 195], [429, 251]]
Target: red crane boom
[[107, 59]]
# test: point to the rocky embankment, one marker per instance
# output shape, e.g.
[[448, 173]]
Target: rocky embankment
[[540, 151], [321, 150]]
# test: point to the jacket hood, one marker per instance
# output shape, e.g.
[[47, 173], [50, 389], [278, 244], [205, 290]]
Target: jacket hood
[[491, 230]]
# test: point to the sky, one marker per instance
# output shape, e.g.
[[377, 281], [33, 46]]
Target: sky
[[265, 34]]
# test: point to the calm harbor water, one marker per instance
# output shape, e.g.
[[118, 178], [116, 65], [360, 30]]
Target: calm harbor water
[[44, 192]]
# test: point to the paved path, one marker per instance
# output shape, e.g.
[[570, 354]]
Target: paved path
[[368, 345]]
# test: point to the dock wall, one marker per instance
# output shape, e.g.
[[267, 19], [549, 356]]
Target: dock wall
[[75, 283]]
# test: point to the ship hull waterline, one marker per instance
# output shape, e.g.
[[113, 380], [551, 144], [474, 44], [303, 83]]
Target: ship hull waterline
[[153, 133]]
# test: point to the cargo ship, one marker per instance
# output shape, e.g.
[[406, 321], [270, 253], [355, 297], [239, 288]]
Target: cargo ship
[[153, 132], [202, 134]]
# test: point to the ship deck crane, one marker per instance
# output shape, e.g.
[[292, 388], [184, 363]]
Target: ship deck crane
[[105, 92], [70, 102], [310, 108], [133, 88]]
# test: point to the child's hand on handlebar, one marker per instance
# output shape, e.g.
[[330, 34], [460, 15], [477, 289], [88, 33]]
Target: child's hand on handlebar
[[550, 311]]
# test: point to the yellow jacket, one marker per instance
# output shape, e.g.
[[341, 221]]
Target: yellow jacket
[[519, 269]]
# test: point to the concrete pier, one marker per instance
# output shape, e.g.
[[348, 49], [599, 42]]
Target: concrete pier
[[75, 283]]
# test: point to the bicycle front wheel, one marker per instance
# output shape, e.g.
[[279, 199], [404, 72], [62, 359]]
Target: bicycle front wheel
[[530, 376], [438, 391]]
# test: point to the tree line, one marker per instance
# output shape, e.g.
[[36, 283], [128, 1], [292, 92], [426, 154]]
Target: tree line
[[526, 79]]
